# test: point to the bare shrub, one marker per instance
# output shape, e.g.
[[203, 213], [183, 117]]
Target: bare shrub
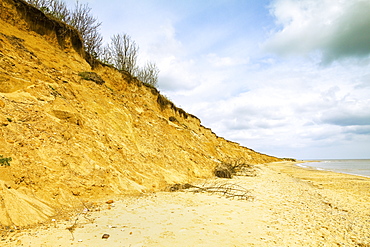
[[148, 74], [122, 53], [106, 56], [224, 170], [238, 167], [93, 43], [40, 4], [59, 10], [56, 8]]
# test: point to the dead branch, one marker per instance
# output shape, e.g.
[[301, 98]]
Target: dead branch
[[228, 190]]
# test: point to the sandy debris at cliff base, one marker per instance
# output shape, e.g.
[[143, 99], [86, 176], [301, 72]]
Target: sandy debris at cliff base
[[286, 211]]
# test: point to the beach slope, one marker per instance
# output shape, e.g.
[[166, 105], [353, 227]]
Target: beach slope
[[289, 206]]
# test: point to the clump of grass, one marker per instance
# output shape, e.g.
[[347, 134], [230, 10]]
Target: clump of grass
[[173, 119], [5, 161], [92, 76], [163, 102]]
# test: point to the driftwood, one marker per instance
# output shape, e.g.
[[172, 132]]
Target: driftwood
[[84, 213], [238, 167], [228, 190]]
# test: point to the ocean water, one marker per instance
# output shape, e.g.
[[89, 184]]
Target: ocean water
[[359, 167]]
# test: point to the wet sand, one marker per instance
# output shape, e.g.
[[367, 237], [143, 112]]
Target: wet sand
[[291, 206]]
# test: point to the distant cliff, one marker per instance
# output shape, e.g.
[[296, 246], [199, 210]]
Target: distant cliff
[[77, 134]]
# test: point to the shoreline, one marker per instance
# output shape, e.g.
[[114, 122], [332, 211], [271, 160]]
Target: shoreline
[[341, 172], [357, 186], [292, 206], [301, 164]]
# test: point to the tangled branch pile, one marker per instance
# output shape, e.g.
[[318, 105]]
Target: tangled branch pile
[[229, 190]]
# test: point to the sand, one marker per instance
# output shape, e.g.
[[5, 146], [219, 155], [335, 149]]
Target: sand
[[291, 206]]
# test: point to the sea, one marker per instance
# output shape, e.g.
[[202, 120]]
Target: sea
[[360, 167]]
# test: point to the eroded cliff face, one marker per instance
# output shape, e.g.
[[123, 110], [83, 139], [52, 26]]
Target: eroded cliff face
[[74, 141]]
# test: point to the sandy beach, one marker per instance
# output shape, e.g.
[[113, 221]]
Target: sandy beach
[[289, 206]]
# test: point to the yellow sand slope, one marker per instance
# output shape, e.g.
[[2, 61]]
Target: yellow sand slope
[[72, 140]]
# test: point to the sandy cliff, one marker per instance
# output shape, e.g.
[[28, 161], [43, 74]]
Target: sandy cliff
[[72, 140]]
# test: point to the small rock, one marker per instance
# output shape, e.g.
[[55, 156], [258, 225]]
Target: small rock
[[109, 202], [105, 236]]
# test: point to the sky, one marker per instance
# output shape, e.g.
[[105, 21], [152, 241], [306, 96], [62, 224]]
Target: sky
[[288, 78]]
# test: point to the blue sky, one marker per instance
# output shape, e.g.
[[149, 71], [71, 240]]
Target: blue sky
[[288, 78]]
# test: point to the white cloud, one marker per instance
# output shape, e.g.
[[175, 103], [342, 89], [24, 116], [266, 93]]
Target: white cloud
[[176, 74], [349, 114], [222, 62], [335, 29], [163, 42], [295, 107]]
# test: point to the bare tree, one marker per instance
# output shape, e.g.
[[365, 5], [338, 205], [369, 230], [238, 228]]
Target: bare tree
[[148, 74], [123, 51], [106, 56], [80, 18], [93, 43], [59, 10], [88, 26], [40, 4], [55, 8]]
